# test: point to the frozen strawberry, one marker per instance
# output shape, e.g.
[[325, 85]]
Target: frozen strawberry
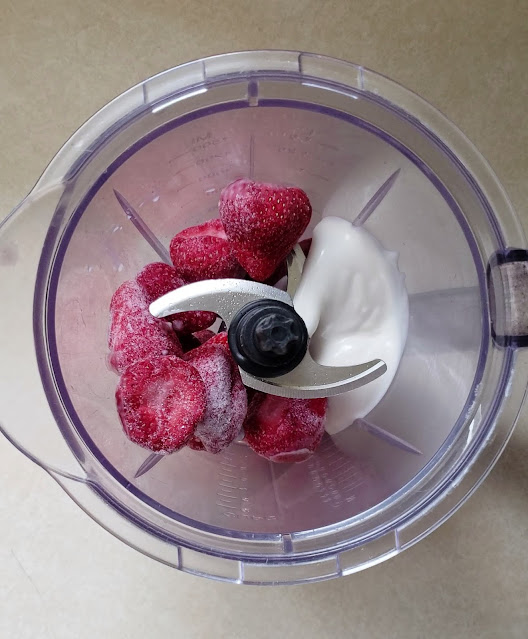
[[134, 333], [282, 270], [285, 430], [204, 336], [211, 228], [157, 279], [204, 253], [220, 339], [195, 443], [192, 321], [306, 245], [250, 392], [160, 400], [226, 397], [127, 298], [263, 223], [194, 340], [188, 342]]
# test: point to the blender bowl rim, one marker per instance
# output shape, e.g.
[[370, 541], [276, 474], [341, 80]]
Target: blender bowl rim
[[48, 180], [95, 187]]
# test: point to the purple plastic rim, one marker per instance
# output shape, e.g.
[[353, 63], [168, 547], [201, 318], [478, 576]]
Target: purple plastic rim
[[44, 315]]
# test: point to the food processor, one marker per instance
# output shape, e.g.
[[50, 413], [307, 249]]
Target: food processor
[[153, 162]]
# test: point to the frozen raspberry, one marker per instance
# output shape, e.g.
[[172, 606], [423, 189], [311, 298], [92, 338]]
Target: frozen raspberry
[[157, 279], [226, 397], [160, 400], [204, 253], [263, 223], [134, 333], [284, 430]]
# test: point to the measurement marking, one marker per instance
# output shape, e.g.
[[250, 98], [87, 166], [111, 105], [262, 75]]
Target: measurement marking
[[185, 168], [344, 464], [319, 177], [356, 484], [328, 146], [222, 475], [180, 155], [182, 187]]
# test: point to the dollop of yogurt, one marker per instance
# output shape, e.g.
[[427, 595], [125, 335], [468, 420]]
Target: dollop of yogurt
[[353, 300]]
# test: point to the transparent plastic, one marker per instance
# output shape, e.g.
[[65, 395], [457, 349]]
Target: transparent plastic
[[168, 146]]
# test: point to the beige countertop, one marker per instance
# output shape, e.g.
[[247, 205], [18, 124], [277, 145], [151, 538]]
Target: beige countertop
[[62, 576]]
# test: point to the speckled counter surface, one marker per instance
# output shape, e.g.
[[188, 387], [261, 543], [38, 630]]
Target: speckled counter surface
[[62, 575]]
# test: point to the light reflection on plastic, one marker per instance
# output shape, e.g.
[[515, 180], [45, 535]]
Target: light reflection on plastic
[[318, 86], [165, 105]]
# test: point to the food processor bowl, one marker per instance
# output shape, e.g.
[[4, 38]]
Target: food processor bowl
[[168, 146]]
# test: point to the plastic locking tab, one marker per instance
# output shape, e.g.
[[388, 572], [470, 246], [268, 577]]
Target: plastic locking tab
[[507, 276]]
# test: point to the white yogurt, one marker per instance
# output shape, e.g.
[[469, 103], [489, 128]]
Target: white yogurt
[[353, 300]]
